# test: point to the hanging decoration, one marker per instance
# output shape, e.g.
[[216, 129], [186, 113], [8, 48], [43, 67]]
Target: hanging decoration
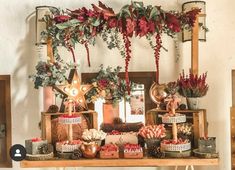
[[83, 25]]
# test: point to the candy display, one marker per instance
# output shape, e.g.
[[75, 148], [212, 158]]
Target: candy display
[[109, 151], [153, 131], [115, 132], [184, 128], [133, 151], [174, 147], [158, 134], [68, 146], [32, 145], [121, 138], [93, 135], [179, 145]]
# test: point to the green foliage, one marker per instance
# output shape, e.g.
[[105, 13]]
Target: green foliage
[[49, 74], [108, 85]]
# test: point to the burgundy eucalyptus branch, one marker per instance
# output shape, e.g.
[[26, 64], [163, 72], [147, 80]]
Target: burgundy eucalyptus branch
[[69, 46], [88, 53]]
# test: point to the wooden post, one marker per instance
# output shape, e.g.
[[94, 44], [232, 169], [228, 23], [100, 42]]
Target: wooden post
[[124, 100], [194, 47], [70, 126], [50, 50], [174, 132]]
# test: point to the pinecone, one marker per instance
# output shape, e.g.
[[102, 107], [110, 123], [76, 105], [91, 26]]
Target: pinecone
[[157, 153], [77, 154], [117, 120], [182, 107], [53, 109]]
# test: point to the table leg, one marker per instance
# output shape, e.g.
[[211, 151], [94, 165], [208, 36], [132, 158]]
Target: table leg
[[176, 167]]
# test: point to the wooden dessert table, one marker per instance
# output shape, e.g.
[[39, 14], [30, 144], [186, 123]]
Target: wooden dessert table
[[146, 162]]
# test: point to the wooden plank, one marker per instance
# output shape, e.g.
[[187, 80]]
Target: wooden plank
[[120, 163], [95, 120], [201, 124], [194, 47], [46, 127], [196, 128]]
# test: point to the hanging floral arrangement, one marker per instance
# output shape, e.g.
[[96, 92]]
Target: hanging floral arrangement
[[68, 27]]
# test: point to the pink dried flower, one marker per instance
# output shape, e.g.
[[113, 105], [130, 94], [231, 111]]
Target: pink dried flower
[[192, 85]]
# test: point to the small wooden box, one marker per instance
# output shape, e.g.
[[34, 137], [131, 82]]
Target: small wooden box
[[109, 155], [133, 155], [53, 131]]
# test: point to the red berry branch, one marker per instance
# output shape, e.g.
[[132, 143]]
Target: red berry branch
[[157, 55], [88, 54], [127, 59], [69, 46]]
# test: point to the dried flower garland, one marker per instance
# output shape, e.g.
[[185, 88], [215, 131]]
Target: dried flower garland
[[83, 25]]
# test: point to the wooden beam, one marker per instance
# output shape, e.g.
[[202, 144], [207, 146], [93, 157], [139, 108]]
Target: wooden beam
[[194, 47]]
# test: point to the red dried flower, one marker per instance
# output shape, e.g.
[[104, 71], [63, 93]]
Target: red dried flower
[[151, 26], [112, 23], [192, 85], [143, 27], [172, 22], [130, 26], [103, 83], [61, 18], [191, 15]]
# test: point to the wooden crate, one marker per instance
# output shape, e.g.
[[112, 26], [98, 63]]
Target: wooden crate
[[50, 119], [109, 155], [133, 155], [196, 117]]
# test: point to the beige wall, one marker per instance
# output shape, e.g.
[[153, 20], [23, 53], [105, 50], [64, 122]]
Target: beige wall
[[18, 57]]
